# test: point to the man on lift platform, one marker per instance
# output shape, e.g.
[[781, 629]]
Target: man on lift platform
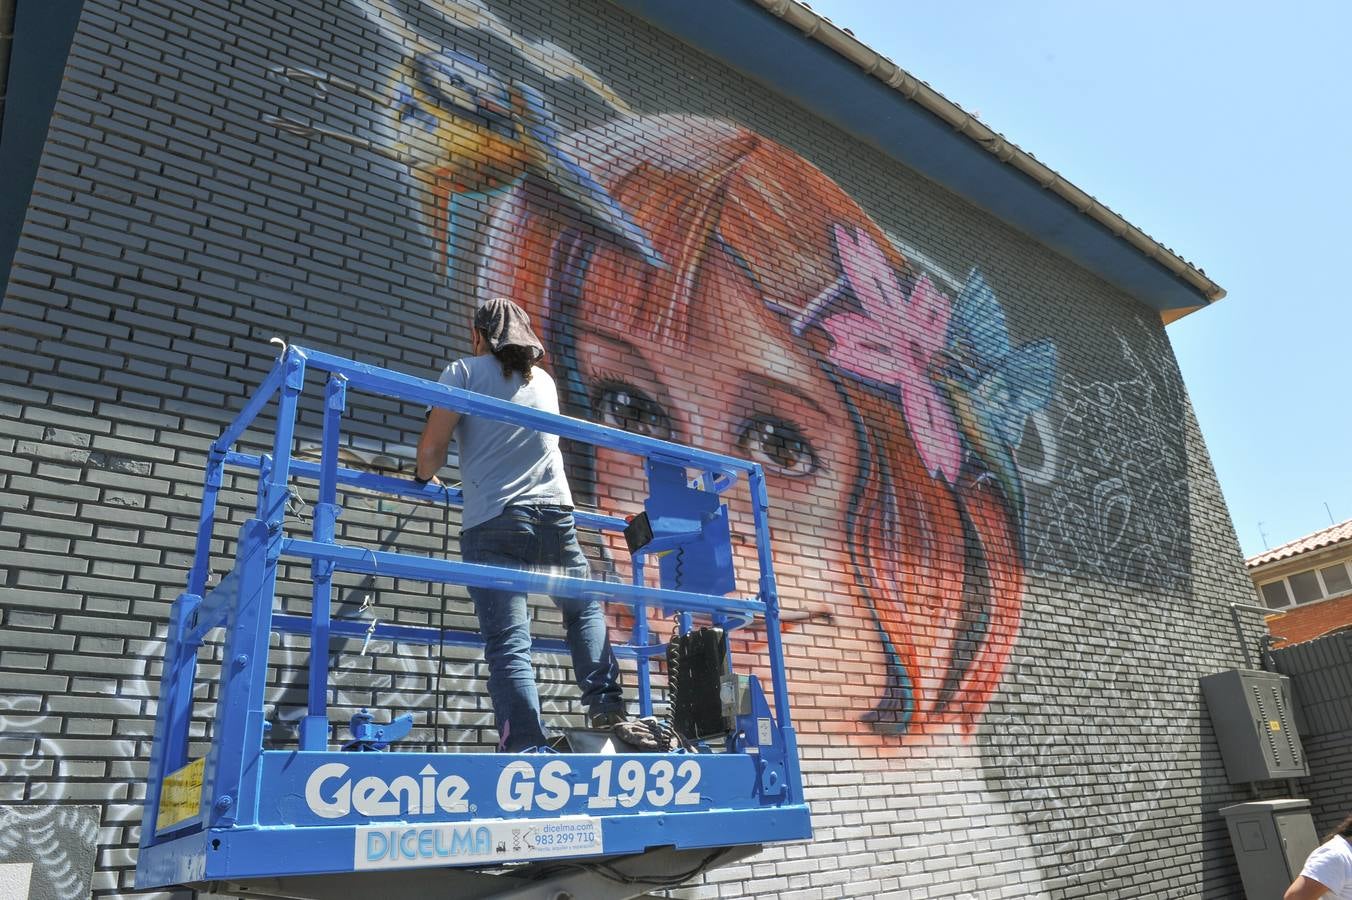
[[518, 513]]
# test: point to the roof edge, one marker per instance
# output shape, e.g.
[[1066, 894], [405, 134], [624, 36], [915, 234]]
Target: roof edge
[[1289, 552], [911, 88]]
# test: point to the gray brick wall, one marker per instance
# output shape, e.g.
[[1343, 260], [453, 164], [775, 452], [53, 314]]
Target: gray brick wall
[[173, 231]]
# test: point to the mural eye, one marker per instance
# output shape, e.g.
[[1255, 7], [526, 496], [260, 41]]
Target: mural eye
[[446, 87], [778, 445], [621, 405]]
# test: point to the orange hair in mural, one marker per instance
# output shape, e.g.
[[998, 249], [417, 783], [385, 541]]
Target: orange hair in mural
[[920, 569]]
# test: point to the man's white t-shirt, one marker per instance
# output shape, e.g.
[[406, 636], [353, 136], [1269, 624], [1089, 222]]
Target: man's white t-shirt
[[503, 464], [1331, 865]]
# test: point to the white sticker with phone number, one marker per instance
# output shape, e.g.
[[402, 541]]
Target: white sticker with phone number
[[484, 841]]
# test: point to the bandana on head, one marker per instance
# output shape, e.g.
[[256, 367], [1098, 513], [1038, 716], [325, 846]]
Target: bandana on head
[[504, 324]]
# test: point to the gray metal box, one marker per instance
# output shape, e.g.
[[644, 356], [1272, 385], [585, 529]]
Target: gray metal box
[[1271, 840], [1251, 713]]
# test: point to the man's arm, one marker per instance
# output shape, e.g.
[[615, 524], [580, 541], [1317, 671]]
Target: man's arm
[[1305, 888], [435, 441]]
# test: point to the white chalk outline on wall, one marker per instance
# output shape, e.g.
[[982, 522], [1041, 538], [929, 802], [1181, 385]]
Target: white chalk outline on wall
[[1118, 511]]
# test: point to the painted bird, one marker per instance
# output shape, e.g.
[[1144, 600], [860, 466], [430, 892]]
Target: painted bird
[[994, 387], [466, 131]]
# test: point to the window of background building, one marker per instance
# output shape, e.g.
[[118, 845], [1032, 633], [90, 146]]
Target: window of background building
[[1307, 586], [1336, 580], [1275, 596]]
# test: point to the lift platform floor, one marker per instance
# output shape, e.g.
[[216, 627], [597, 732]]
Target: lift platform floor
[[598, 878]]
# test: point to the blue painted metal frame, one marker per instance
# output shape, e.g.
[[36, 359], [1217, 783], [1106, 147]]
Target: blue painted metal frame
[[313, 810]]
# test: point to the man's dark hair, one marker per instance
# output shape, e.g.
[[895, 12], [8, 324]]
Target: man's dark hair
[[1343, 831], [516, 359]]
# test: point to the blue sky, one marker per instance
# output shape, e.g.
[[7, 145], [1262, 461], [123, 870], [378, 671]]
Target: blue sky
[[1223, 131]]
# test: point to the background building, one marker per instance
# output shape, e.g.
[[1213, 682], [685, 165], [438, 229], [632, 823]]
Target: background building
[[1005, 543], [1309, 580]]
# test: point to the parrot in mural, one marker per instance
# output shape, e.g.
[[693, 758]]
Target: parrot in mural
[[464, 131], [994, 386], [468, 131]]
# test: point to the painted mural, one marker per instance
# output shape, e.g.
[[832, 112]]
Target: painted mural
[[699, 282]]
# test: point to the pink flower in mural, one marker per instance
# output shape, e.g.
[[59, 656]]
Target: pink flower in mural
[[893, 342]]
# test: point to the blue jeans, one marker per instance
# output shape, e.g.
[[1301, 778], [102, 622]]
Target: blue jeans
[[541, 539]]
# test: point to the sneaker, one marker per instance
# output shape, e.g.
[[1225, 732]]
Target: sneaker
[[643, 735]]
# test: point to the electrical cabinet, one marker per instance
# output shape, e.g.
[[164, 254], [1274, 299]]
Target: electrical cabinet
[[1252, 715], [1271, 839]]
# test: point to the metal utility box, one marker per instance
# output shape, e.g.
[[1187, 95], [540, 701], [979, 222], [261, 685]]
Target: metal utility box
[[1271, 840], [1252, 715]]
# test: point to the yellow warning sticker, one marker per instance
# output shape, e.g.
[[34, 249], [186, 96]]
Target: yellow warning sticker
[[1274, 725], [181, 795]]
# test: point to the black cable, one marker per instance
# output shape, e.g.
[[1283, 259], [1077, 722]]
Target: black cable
[[610, 873], [607, 871]]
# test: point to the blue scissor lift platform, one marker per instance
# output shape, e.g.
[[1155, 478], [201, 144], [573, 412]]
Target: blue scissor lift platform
[[318, 821]]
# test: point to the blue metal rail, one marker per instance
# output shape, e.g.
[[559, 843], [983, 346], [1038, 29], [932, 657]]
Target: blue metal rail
[[243, 811]]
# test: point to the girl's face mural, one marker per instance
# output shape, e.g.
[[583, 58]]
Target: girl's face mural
[[782, 326]]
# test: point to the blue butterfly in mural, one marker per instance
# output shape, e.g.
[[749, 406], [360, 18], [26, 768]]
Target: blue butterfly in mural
[[993, 385]]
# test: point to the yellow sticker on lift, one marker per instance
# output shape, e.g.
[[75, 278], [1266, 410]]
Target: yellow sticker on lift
[[181, 795], [1274, 725]]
